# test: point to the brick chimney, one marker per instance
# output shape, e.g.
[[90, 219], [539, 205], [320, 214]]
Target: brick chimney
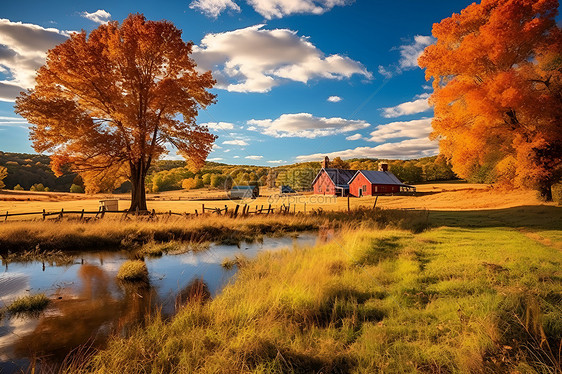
[[383, 167], [326, 163]]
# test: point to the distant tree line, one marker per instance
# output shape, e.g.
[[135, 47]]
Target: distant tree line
[[32, 172]]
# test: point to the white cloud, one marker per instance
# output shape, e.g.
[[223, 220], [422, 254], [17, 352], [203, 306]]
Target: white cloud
[[418, 128], [419, 105], [13, 122], [99, 16], [269, 8], [256, 60], [409, 53], [219, 125], [354, 137], [305, 125], [275, 162], [235, 142], [23, 48], [236, 157], [406, 149], [213, 8], [385, 72], [334, 99], [254, 157], [215, 159], [427, 87]]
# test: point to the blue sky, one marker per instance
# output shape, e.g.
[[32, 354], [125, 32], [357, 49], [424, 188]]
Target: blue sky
[[297, 79]]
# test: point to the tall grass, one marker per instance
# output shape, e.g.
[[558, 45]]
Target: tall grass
[[73, 235], [446, 300], [28, 304]]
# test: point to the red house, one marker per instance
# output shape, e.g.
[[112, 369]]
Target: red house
[[343, 182], [332, 182], [369, 182]]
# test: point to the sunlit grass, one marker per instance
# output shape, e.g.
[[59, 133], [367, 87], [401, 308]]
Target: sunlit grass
[[446, 300], [28, 304], [133, 270], [72, 235]]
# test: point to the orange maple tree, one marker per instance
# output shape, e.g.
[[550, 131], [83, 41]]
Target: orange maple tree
[[497, 79], [109, 102]]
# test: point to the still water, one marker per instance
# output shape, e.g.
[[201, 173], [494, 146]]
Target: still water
[[89, 304]]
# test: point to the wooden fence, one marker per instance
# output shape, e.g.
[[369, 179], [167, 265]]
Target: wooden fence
[[237, 211]]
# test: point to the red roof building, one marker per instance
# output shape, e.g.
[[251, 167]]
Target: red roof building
[[344, 182], [369, 182]]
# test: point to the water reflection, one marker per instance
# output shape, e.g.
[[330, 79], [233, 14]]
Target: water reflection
[[89, 304]]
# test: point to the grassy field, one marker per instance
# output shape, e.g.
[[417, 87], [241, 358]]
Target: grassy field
[[436, 196], [448, 300], [470, 280]]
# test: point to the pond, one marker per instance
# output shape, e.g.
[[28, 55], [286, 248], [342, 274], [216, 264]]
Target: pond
[[89, 304]]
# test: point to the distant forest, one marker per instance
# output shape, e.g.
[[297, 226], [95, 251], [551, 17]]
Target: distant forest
[[30, 170]]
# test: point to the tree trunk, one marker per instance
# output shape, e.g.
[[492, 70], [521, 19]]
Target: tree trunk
[[545, 191], [138, 192]]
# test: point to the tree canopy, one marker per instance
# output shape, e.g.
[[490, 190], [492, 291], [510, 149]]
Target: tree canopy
[[109, 103], [496, 70]]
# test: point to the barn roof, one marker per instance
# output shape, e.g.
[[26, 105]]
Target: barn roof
[[340, 177], [379, 177]]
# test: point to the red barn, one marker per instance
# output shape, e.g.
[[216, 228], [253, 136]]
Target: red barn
[[332, 181], [369, 182]]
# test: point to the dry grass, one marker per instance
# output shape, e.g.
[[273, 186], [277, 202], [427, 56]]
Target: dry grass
[[133, 271], [449, 300], [74, 235], [28, 304], [445, 196]]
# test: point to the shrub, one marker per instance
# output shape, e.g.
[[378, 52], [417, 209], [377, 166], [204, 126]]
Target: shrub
[[76, 189], [3, 174], [37, 187], [29, 304], [133, 270], [188, 184], [17, 187]]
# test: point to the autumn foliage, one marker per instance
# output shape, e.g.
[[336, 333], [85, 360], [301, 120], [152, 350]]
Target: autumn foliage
[[109, 102], [497, 79]]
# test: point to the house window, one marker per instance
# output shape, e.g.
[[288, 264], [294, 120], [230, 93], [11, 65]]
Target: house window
[[376, 189], [364, 188]]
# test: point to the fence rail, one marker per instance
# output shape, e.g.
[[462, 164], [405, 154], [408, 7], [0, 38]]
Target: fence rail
[[240, 210], [236, 211]]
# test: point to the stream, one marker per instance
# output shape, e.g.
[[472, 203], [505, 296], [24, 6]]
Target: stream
[[89, 304]]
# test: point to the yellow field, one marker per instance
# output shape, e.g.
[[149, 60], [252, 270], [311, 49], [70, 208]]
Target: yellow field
[[437, 196]]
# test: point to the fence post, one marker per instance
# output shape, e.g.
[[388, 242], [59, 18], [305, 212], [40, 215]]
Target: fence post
[[82, 215], [236, 211], [268, 209], [43, 214], [103, 211], [375, 205], [225, 209], [6, 218], [348, 208], [196, 214], [202, 208], [61, 213]]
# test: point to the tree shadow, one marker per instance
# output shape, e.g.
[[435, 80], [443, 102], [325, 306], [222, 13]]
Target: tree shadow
[[539, 217]]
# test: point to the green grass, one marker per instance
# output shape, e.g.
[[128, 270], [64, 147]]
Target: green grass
[[133, 270], [448, 300], [28, 304]]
